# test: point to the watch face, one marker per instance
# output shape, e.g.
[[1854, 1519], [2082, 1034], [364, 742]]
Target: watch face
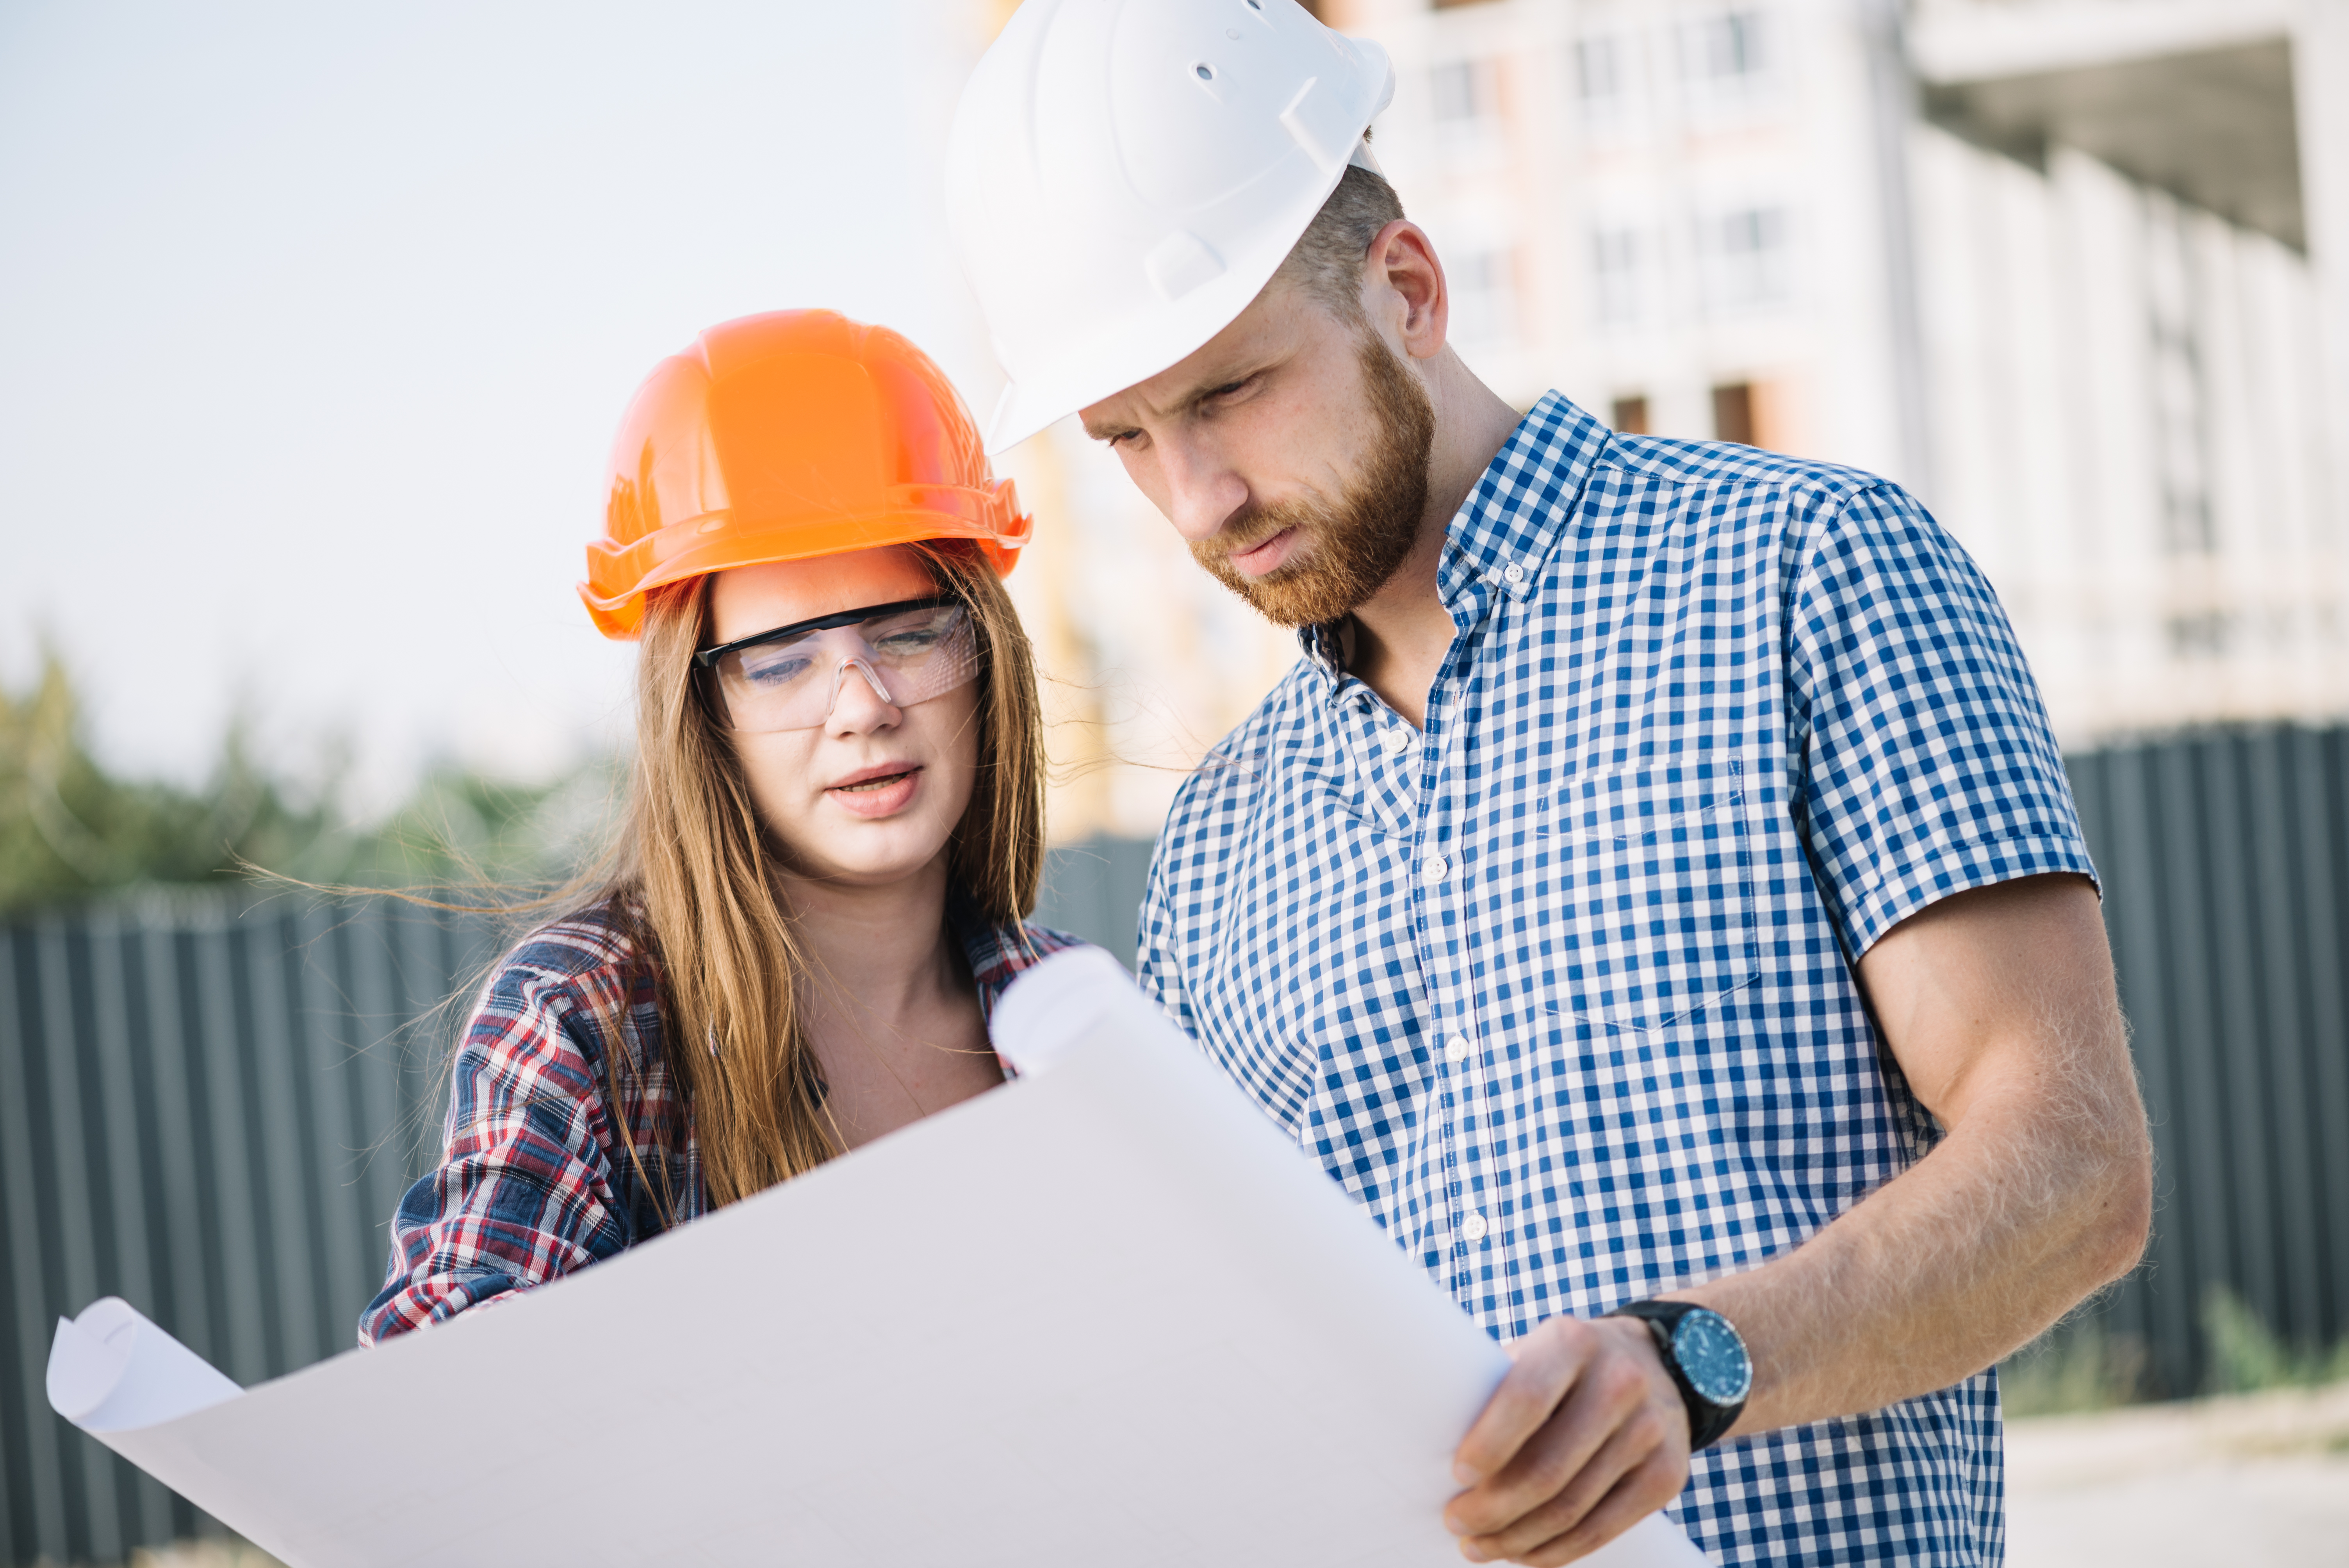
[[1712, 1358]]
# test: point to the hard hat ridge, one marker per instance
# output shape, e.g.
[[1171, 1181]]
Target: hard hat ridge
[[786, 436], [1125, 176]]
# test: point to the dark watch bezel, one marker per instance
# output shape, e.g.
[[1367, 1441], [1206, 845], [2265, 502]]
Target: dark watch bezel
[[1707, 1420]]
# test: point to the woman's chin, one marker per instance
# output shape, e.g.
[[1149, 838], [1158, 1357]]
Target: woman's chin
[[872, 854]]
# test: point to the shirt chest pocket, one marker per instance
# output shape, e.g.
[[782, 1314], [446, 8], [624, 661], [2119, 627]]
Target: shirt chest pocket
[[1655, 910]]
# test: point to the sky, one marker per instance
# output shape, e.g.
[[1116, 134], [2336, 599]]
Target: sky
[[315, 322]]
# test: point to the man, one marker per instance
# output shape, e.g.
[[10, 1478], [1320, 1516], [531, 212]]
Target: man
[[1655, 888]]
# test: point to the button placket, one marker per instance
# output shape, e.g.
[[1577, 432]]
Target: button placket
[[1434, 871], [1472, 1223]]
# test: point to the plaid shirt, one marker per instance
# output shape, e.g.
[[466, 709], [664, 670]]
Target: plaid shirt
[[532, 1183], [1561, 988]]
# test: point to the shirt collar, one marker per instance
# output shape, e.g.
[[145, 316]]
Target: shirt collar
[[1515, 515], [1502, 536]]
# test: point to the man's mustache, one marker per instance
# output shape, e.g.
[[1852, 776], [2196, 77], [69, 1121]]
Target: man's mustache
[[1250, 527]]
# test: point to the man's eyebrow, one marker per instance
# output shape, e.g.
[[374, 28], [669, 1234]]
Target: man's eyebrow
[[1208, 387], [1189, 398]]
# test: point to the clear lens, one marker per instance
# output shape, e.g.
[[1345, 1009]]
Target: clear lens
[[906, 657]]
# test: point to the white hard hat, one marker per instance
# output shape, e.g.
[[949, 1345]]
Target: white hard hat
[[1125, 176]]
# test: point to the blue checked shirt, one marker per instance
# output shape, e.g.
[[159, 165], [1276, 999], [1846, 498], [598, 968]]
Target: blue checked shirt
[[1561, 987]]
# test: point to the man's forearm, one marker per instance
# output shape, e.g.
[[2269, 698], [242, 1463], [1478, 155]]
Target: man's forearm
[[2042, 1194]]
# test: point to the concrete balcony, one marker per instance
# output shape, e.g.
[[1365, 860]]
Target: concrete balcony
[[2195, 97]]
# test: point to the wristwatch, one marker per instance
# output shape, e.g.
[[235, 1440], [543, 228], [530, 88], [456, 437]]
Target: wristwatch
[[1707, 1358]]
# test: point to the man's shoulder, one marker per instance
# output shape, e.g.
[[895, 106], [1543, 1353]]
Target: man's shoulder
[[1234, 771], [1704, 468]]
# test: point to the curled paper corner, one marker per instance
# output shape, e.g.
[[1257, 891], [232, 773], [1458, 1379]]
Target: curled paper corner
[[112, 1370], [84, 1368], [1053, 1008]]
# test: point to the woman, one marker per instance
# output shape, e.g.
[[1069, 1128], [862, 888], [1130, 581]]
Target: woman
[[835, 833]]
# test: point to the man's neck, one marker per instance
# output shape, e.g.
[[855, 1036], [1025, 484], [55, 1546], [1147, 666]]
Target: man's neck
[[1398, 636]]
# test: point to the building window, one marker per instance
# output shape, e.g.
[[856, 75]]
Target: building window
[[1733, 413], [1461, 91], [1483, 302], [1598, 71], [1727, 47], [2181, 429], [2206, 636], [1631, 415], [1729, 65], [1615, 276], [1745, 257]]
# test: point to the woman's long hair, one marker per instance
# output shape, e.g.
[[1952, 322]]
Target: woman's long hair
[[694, 878]]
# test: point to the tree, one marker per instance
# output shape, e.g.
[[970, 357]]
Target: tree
[[70, 831]]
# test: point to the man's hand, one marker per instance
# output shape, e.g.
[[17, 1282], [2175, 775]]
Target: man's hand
[[1586, 1437]]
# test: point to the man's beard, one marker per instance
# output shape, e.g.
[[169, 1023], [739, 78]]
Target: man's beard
[[1352, 544]]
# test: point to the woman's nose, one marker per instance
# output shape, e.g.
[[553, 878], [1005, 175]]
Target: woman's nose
[[859, 705]]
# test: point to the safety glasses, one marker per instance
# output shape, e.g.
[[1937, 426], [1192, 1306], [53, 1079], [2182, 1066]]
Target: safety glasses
[[789, 678]]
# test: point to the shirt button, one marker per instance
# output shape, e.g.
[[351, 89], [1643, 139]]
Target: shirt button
[[1473, 1227], [1434, 870], [1395, 739], [1457, 1048], [1512, 573]]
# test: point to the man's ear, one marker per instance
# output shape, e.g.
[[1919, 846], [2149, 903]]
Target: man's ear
[[1404, 288]]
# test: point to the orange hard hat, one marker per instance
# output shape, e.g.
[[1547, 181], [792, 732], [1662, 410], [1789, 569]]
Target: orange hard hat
[[779, 437]]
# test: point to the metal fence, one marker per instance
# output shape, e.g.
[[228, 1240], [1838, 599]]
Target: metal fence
[[2225, 859], [209, 1109], [210, 1105]]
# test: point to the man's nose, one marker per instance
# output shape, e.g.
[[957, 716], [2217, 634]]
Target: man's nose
[[1202, 491]]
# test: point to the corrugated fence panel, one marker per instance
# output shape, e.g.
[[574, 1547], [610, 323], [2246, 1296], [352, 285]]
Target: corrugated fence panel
[[210, 1107], [210, 1110], [2225, 860]]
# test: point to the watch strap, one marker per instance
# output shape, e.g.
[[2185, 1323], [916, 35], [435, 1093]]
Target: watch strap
[[1708, 1422]]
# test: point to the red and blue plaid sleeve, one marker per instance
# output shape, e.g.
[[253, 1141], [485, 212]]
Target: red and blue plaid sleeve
[[532, 1183], [999, 954]]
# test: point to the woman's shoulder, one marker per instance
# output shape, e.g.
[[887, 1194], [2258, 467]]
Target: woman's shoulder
[[999, 954], [591, 947], [588, 969]]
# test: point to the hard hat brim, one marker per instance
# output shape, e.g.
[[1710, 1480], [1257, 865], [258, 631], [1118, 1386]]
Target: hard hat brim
[[698, 547], [1147, 345]]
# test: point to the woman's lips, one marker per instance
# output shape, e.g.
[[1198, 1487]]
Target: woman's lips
[[1266, 557], [877, 792]]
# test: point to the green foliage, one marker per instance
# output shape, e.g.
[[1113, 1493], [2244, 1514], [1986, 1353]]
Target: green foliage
[[2077, 1366], [2072, 1368], [463, 829], [70, 831], [2247, 1356]]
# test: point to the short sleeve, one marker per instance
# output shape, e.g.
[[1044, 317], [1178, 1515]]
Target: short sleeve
[[1927, 764]]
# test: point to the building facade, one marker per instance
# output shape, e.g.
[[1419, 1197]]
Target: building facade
[[2072, 270], [2048, 263]]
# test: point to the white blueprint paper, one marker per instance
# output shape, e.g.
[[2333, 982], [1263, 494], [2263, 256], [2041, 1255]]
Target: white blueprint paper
[[1106, 1316]]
